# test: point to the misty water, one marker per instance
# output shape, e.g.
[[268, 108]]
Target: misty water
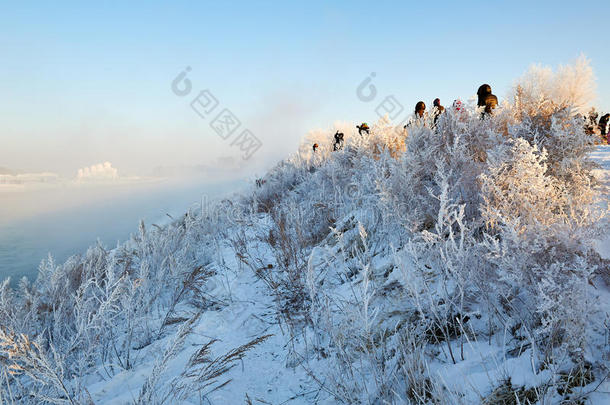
[[64, 221]]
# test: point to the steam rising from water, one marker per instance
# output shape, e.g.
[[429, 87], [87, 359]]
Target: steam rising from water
[[101, 171], [65, 218]]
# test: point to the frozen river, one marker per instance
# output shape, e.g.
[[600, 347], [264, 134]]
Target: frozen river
[[64, 221]]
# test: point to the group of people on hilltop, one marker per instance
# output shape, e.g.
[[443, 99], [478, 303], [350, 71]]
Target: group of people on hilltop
[[486, 100], [420, 118], [338, 144]]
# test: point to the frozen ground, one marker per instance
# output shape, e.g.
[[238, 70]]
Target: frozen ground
[[270, 374], [319, 287]]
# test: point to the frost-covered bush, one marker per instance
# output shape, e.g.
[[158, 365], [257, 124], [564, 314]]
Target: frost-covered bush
[[541, 245], [496, 217], [451, 150], [542, 91], [96, 312], [518, 191], [542, 210]]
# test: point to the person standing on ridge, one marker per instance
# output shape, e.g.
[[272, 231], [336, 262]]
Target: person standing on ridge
[[603, 124], [437, 110], [459, 110], [363, 128], [486, 99], [419, 116], [338, 145]]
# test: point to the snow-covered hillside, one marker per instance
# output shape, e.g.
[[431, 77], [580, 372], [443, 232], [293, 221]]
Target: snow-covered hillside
[[453, 265]]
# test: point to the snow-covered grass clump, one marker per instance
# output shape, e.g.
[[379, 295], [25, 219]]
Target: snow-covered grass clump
[[451, 264]]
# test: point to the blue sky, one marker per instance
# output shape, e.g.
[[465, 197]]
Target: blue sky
[[82, 83]]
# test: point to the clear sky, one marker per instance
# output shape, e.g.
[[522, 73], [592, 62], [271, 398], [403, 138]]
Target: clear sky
[[84, 82]]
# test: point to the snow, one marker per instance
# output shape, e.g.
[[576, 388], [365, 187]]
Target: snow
[[263, 374], [602, 157], [249, 313], [443, 266]]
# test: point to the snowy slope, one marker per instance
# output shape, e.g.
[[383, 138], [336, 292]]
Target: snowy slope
[[247, 312], [267, 374], [442, 266]]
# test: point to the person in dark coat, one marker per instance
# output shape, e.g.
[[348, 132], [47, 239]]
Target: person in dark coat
[[603, 124], [437, 110], [420, 109], [338, 145], [486, 99]]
